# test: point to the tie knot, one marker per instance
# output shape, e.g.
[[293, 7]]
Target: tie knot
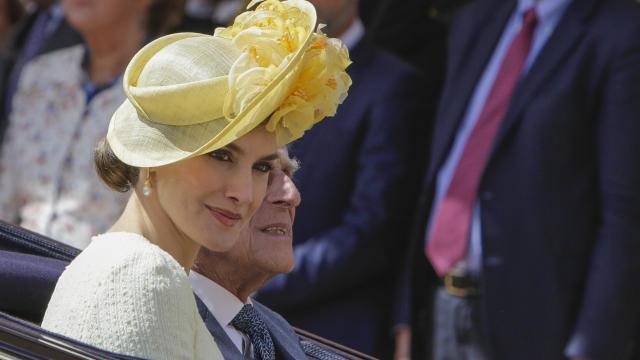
[[250, 322], [247, 320], [530, 18]]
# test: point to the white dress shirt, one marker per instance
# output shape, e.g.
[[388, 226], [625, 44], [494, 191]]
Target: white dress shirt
[[222, 304]]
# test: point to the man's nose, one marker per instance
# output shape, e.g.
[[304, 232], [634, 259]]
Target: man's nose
[[282, 191]]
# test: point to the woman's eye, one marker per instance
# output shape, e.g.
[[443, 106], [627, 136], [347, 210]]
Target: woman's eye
[[263, 167], [220, 155]]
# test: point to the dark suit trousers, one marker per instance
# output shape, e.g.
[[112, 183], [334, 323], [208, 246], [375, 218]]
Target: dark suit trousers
[[457, 328]]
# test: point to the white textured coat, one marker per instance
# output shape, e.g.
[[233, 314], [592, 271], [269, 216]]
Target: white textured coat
[[126, 295]]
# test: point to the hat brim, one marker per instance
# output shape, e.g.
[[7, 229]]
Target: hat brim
[[143, 143], [140, 142]]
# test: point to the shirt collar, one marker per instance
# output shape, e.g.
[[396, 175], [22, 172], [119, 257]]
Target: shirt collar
[[544, 8], [354, 33], [221, 303]]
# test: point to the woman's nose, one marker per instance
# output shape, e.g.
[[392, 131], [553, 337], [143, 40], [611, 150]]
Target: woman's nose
[[240, 187]]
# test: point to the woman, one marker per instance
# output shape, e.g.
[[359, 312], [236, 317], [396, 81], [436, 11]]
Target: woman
[[195, 139], [59, 112]]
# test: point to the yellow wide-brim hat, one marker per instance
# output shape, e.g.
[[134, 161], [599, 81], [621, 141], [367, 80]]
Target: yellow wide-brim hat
[[189, 94]]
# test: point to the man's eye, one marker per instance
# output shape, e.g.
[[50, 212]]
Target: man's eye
[[220, 155], [263, 167]]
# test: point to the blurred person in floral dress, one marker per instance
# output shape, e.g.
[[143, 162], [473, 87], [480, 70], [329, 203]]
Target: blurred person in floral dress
[[61, 109]]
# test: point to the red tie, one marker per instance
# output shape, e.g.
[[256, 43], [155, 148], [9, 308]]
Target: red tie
[[450, 230]]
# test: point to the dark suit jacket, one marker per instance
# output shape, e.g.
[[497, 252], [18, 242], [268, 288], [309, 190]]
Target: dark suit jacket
[[560, 196], [356, 180], [284, 338]]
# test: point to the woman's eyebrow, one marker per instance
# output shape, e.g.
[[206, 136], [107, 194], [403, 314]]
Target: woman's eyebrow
[[235, 148]]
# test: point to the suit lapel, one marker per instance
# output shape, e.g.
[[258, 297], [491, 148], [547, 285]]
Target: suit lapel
[[287, 342], [564, 39], [226, 346], [464, 75]]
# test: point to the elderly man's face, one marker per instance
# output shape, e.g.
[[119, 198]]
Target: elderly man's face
[[266, 244]]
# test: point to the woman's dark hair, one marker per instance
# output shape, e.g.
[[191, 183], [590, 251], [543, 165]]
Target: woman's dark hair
[[116, 174], [164, 16]]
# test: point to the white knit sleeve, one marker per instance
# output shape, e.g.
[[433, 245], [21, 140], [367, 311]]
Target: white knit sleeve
[[143, 306]]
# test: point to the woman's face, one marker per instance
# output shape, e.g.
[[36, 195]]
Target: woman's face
[[212, 197]]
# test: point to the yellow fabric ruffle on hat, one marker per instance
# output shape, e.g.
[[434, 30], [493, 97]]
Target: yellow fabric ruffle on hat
[[189, 94], [269, 37]]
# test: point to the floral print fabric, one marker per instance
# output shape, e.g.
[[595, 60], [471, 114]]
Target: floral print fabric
[[47, 178]]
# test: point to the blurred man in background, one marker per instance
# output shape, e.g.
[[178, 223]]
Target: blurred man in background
[[529, 210]]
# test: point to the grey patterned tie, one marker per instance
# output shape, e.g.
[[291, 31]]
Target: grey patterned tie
[[249, 322]]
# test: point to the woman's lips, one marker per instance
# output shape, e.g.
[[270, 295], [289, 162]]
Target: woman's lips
[[227, 218]]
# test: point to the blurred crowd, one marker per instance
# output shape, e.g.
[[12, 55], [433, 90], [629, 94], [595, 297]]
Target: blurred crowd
[[475, 197]]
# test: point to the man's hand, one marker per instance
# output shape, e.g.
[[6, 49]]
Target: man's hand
[[403, 343]]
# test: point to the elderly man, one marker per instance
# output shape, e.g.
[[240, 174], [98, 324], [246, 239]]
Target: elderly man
[[224, 282]]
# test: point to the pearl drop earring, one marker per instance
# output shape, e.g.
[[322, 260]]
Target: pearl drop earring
[[146, 188]]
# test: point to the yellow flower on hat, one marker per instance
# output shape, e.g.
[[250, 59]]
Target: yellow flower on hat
[[321, 87], [269, 37], [189, 94]]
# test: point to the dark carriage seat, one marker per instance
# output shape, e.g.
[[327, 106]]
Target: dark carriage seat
[[17, 239], [30, 265], [29, 341], [27, 282]]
